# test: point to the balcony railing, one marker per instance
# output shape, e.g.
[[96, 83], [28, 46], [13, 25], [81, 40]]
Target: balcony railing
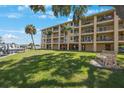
[[87, 31], [105, 39], [121, 26], [76, 33], [56, 41], [56, 29], [90, 40], [56, 35], [75, 40], [48, 41], [105, 18], [43, 36], [104, 28], [62, 34], [121, 37], [48, 36], [63, 41], [87, 22], [76, 25]]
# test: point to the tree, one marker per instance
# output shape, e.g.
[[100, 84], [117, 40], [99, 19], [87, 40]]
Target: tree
[[63, 10], [30, 29], [65, 29], [119, 10], [76, 10], [49, 32]]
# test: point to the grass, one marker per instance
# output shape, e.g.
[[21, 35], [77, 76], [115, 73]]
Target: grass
[[46, 68]]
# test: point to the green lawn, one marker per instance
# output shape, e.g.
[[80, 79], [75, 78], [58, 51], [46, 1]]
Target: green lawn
[[45, 68]]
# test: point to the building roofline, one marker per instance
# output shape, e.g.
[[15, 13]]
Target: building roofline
[[84, 16]]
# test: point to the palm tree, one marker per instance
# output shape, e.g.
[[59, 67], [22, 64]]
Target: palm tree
[[76, 10], [49, 32], [63, 10], [30, 29], [38, 8], [65, 29]]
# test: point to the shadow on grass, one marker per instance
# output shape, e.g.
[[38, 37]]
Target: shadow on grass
[[62, 65]]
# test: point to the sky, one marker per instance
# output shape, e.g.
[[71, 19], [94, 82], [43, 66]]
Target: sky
[[14, 18]]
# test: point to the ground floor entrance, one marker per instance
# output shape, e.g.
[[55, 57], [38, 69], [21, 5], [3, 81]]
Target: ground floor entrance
[[87, 47], [49, 46], [73, 47], [63, 46], [109, 47]]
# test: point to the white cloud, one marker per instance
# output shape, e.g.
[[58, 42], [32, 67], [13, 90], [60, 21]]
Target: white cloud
[[12, 31], [47, 6], [42, 16], [9, 38], [48, 14], [94, 11], [103, 9], [14, 15], [22, 7], [69, 19]]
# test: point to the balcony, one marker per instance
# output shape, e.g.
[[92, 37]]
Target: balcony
[[48, 36], [48, 41], [63, 41], [121, 26], [75, 40], [105, 28], [62, 35], [55, 41], [105, 18], [76, 33], [56, 29], [104, 39], [87, 22], [121, 37], [87, 40], [76, 25], [55, 35], [43, 37], [87, 30]]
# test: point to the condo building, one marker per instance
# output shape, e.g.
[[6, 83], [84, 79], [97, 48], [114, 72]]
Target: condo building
[[102, 31]]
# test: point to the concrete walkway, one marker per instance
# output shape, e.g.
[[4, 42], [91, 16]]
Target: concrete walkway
[[96, 64], [7, 55]]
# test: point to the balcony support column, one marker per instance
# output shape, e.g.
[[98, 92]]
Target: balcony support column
[[59, 37], [45, 42], [52, 39], [42, 42], [68, 39], [94, 34], [116, 24], [79, 45]]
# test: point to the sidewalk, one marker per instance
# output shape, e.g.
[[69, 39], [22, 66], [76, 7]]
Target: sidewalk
[[7, 55]]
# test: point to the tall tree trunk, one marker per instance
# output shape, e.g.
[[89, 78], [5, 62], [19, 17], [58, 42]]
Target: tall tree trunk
[[33, 41]]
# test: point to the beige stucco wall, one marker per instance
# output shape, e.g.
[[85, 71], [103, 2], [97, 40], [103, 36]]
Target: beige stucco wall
[[55, 46], [89, 47], [101, 47]]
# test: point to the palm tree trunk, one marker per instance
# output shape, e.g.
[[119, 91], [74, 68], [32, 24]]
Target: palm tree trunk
[[33, 41]]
